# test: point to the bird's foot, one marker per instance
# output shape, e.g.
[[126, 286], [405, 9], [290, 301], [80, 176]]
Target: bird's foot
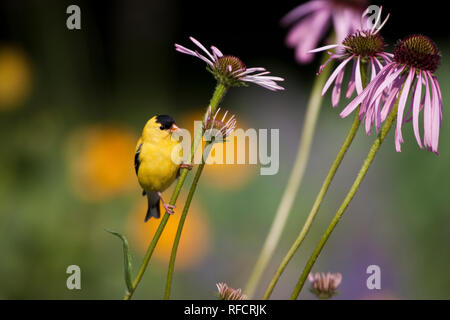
[[186, 166], [168, 207]]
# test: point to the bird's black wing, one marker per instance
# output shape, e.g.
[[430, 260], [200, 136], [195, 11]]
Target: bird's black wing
[[137, 161]]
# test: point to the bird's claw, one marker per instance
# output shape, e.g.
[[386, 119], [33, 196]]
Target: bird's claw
[[186, 166], [169, 208]]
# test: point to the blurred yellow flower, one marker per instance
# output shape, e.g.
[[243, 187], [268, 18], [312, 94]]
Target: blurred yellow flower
[[15, 77], [101, 159], [195, 239], [223, 176]]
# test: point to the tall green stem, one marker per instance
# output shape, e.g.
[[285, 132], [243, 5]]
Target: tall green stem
[[218, 95], [320, 196], [315, 208], [176, 242], [360, 177], [295, 180]]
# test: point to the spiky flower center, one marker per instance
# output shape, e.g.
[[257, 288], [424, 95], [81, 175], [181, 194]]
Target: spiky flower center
[[364, 44], [418, 51], [227, 70], [229, 64]]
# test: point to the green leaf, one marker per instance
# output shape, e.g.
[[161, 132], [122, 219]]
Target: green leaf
[[126, 258]]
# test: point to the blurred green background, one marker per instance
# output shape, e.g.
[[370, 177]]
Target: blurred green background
[[72, 104]]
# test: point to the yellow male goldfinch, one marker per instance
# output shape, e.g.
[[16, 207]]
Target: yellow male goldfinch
[[155, 168]]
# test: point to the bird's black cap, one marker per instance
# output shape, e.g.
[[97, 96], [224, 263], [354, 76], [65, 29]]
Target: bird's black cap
[[165, 120]]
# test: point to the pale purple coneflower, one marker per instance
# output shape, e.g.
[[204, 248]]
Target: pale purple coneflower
[[218, 129], [230, 70], [415, 61], [363, 47], [227, 293], [312, 20], [324, 286]]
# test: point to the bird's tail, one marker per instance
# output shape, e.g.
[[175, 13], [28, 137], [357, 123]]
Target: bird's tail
[[153, 206]]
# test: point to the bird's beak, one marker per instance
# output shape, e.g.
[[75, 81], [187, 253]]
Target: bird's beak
[[174, 128]]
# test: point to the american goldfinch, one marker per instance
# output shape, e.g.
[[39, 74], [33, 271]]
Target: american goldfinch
[[155, 168]]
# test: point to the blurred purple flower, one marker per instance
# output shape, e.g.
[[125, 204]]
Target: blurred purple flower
[[361, 46], [415, 60], [311, 21], [230, 70]]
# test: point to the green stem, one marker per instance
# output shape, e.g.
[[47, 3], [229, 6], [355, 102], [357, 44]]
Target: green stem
[[218, 95], [181, 224], [320, 196], [315, 208], [360, 177], [295, 180]]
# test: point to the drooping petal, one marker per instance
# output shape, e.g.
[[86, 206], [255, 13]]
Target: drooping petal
[[389, 103], [351, 83], [389, 79], [360, 98], [401, 108], [358, 82], [427, 129], [335, 74], [345, 22], [307, 33], [416, 109], [435, 115], [336, 95]]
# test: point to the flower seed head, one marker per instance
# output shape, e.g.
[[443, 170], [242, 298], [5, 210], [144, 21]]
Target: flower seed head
[[227, 70], [227, 293], [419, 52], [364, 44], [324, 286], [219, 129]]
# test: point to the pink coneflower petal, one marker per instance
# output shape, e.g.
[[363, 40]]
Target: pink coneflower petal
[[388, 80], [401, 108], [416, 109], [201, 47], [306, 35], [324, 48], [216, 52], [358, 82], [302, 10], [360, 98], [435, 115], [336, 95], [351, 83], [334, 74], [389, 103], [427, 115], [345, 22]]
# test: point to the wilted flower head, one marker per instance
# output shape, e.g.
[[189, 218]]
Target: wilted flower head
[[230, 70], [415, 60], [227, 293], [312, 20], [220, 129], [324, 286], [364, 46]]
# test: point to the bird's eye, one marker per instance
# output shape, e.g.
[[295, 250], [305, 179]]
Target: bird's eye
[[165, 121]]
